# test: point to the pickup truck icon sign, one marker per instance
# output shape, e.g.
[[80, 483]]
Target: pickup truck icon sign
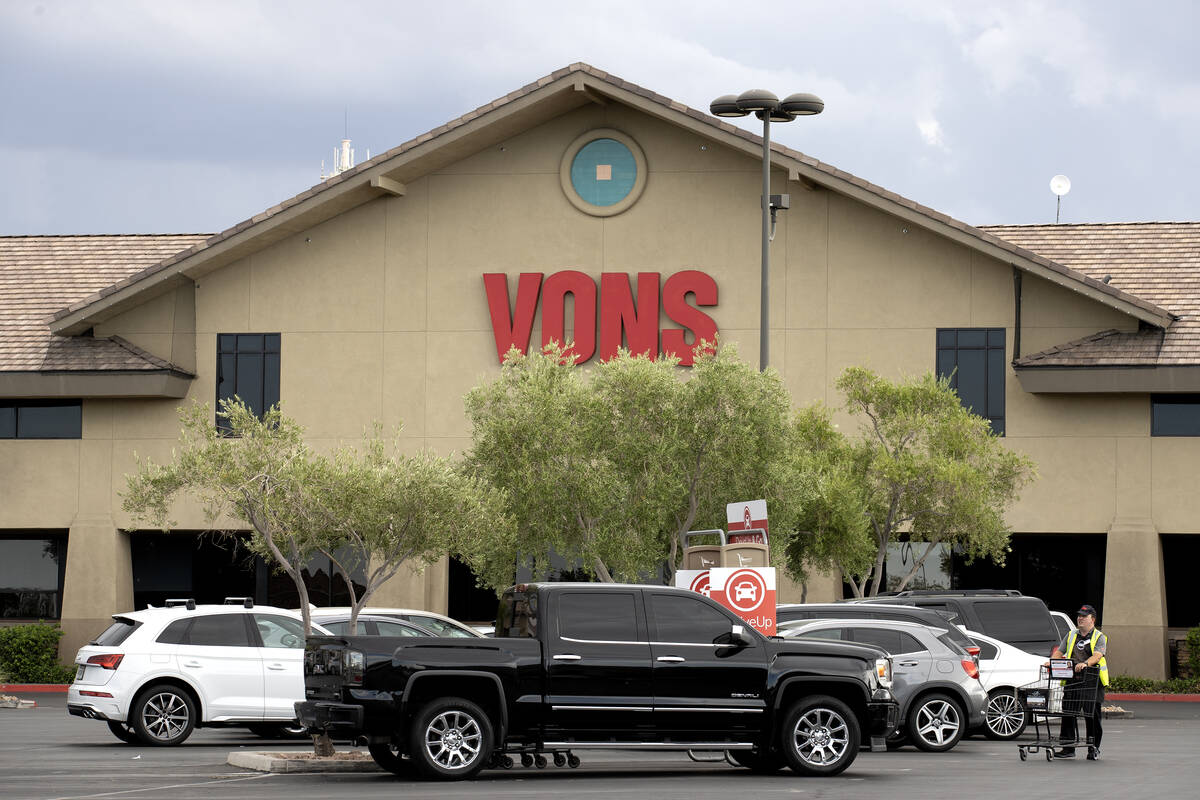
[[745, 591]]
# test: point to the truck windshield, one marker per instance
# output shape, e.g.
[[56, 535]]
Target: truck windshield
[[517, 616]]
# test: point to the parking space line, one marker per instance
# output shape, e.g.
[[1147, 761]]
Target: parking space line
[[163, 788]]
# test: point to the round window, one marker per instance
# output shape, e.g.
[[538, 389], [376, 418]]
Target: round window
[[603, 172]]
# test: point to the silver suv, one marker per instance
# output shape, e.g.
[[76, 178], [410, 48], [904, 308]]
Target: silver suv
[[934, 680], [155, 675]]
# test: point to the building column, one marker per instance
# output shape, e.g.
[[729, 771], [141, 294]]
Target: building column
[[98, 581], [1135, 605]]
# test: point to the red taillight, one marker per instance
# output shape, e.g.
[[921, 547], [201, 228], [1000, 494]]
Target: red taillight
[[971, 667], [973, 650], [107, 661], [95, 694]]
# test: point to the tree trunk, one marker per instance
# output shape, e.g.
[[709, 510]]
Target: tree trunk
[[602, 571], [322, 744]]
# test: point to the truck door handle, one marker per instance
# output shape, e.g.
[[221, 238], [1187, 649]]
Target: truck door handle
[[672, 659], [567, 657], [908, 663]]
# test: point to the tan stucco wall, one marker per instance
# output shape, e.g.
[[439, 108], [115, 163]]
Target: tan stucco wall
[[383, 316]]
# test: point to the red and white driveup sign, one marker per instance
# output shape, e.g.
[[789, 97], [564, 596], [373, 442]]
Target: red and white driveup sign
[[744, 516], [694, 579], [748, 592]]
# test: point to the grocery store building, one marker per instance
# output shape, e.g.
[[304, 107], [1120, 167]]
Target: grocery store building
[[604, 213]]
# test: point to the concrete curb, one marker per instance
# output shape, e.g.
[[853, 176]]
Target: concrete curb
[[9, 688], [1153, 698], [349, 761]]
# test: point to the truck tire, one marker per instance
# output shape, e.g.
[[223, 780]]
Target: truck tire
[[451, 739], [1004, 717], [936, 723], [762, 763], [163, 715], [819, 736], [389, 757]]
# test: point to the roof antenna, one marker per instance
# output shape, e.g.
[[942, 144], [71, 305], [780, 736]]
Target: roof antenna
[[1060, 185], [343, 157]]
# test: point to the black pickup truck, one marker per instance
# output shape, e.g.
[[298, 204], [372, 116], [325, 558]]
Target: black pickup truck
[[587, 666]]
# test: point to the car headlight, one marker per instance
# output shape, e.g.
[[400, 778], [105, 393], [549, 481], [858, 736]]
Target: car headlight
[[883, 672]]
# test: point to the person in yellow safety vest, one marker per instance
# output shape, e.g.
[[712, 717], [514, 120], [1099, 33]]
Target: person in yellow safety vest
[[1086, 647]]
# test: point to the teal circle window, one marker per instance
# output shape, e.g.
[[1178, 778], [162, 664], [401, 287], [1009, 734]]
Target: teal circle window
[[604, 172]]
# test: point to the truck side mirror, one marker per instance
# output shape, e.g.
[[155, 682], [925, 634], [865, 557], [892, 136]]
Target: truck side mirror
[[737, 637]]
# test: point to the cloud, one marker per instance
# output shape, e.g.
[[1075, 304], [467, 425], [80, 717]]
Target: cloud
[[931, 132]]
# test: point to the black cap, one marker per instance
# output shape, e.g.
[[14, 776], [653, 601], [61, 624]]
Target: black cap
[[1086, 610]]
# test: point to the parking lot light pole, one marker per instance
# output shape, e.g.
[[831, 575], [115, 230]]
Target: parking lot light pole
[[768, 108]]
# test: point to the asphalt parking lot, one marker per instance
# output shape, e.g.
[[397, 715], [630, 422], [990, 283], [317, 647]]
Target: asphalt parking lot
[[44, 754]]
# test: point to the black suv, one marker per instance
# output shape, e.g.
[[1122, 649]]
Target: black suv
[[1004, 614]]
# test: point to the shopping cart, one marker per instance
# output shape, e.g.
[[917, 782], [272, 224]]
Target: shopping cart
[[1059, 693]]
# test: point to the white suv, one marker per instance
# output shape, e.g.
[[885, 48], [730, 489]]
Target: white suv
[[156, 674]]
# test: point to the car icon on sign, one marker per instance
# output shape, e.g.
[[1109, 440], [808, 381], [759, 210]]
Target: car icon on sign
[[745, 591]]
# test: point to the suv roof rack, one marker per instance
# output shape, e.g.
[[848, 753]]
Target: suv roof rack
[[175, 602], [244, 602], [959, 593]]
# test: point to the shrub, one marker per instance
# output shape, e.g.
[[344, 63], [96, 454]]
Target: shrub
[[29, 654], [1193, 646], [1136, 685]]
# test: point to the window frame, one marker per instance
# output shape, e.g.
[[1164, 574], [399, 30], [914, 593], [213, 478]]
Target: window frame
[[62, 541], [998, 421], [74, 425], [230, 344]]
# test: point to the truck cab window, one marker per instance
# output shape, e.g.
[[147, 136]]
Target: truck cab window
[[598, 616]]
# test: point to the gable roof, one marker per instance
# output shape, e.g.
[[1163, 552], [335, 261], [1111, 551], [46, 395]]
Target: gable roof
[[550, 96], [1157, 261], [40, 274]]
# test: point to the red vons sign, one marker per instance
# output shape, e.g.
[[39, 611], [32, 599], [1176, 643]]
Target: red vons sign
[[621, 317]]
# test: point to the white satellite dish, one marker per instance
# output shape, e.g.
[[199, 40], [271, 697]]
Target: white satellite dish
[[1060, 185]]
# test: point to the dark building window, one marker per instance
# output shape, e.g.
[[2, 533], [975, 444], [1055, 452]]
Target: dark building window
[[973, 360], [1175, 415], [1180, 554], [1064, 570], [57, 419], [248, 368], [209, 568], [31, 575]]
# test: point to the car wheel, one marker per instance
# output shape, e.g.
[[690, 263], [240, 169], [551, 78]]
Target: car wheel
[[163, 715], [451, 739], [389, 757], [819, 736], [762, 763], [1004, 716], [123, 732], [936, 723]]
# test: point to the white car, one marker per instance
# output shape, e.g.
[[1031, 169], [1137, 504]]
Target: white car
[[1002, 669], [437, 624], [155, 675]]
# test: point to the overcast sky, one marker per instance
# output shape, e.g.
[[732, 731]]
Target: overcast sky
[[176, 117]]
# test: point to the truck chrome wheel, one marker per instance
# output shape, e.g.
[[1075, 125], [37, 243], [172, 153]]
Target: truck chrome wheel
[[452, 739], [820, 736]]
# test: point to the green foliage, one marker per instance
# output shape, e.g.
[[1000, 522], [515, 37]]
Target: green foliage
[[29, 654], [609, 467], [1135, 685], [379, 511], [923, 469], [1193, 648], [258, 475]]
